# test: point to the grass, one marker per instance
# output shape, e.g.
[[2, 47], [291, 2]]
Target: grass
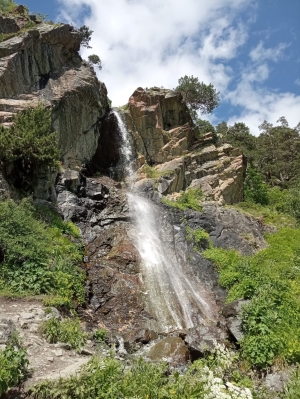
[[67, 330], [190, 199]]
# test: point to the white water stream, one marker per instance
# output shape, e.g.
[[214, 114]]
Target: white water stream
[[173, 294]]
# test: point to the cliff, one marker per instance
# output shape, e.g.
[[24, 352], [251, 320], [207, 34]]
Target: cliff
[[39, 62], [165, 136]]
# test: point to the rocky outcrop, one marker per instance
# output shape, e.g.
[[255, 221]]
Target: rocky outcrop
[[160, 123], [42, 64], [164, 134], [218, 171]]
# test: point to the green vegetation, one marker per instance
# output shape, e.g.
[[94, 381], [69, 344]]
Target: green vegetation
[[27, 145], [7, 5], [214, 376], [95, 60], [197, 95], [85, 35], [271, 279], [274, 153], [190, 199], [39, 254], [13, 364], [200, 238], [67, 330], [100, 334], [150, 171]]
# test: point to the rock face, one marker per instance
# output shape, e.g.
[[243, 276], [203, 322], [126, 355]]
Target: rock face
[[160, 123], [42, 64], [164, 134]]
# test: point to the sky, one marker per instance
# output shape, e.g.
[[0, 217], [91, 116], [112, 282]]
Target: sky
[[248, 49]]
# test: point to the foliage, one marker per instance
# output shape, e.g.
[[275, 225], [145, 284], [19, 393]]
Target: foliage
[[85, 35], [271, 279], [95, 60], [37, 255], [292, 389], [255, 190], [100, 334], [150, 171], [28, 144], [239, 136], [197, 95], [67, 330], [7, 5], [13, 364], [200, 238], [278, 155], [206, 127], [211, 377], [190, 199]]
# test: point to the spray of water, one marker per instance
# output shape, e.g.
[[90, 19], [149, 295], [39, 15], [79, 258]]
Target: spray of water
[[173, 293]]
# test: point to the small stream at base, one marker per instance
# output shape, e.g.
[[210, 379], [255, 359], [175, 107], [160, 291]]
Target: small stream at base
[[172, 292]]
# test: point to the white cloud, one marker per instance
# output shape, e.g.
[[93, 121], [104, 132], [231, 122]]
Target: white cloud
[[260, 53], [147, 43], [297, 82], [153, 43]]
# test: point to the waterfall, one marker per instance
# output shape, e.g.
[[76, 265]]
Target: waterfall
[[173, 294]]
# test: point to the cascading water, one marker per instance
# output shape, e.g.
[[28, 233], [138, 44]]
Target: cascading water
[[173, 294]]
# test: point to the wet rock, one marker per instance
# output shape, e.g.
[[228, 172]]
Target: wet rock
[[202, 338], [7, 328], [172, 349]]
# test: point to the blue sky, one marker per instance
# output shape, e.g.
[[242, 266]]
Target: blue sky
[[248, 49]]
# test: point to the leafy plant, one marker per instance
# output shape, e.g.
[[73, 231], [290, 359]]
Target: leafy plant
[[13, 364], [67, 330], [100, 334]]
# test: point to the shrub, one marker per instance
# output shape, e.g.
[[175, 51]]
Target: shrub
[[200, 238], [67, 330], [13, 364], [100, 334], [27, 145]]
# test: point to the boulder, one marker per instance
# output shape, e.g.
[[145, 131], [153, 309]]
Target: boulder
[[202, 338], [171, 349]]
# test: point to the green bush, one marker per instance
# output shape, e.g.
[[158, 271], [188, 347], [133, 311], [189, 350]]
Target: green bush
[[100, 334], [27, 145], [190, 199], [67, 330], [13, 364], [255, 189], [39, 254]]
